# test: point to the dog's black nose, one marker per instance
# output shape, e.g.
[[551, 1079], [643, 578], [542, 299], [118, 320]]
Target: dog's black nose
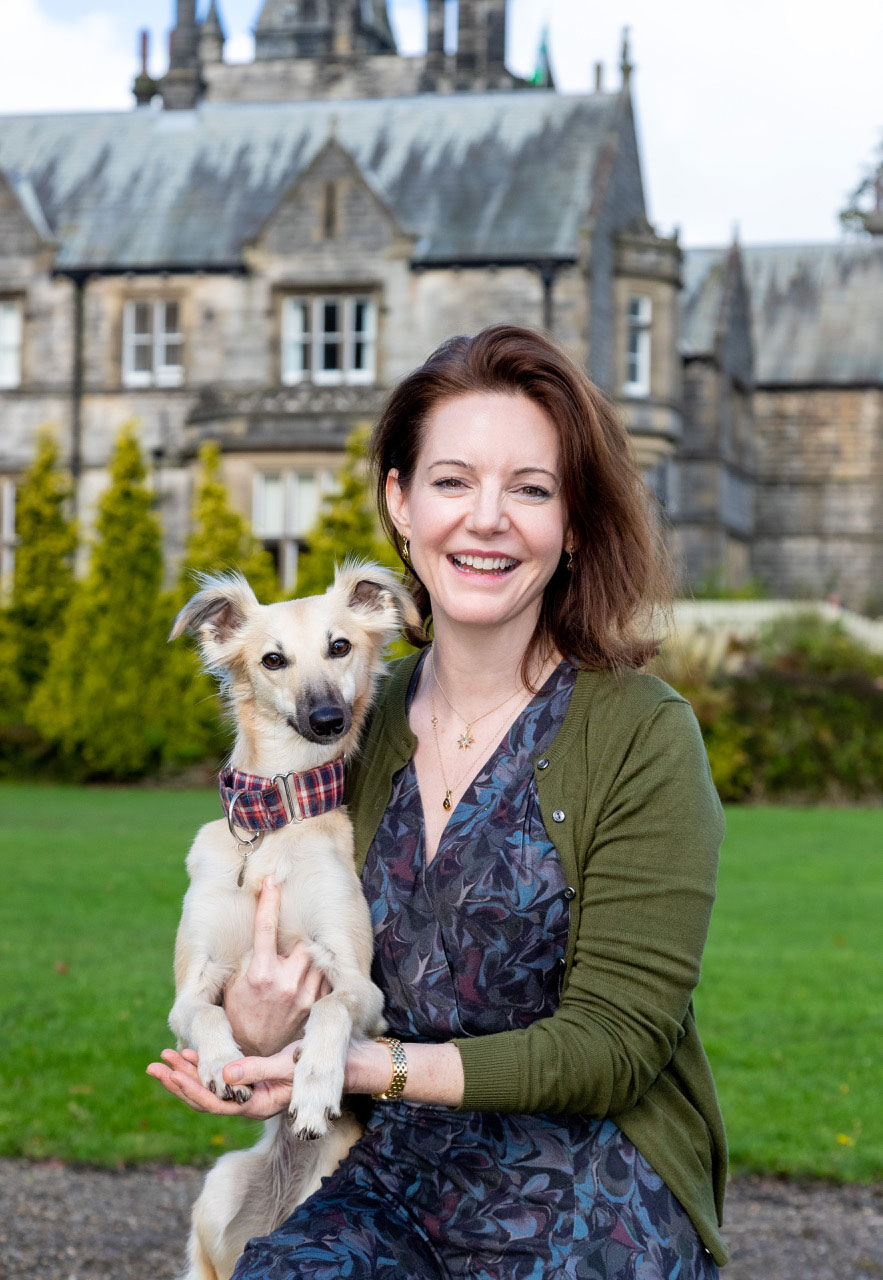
[[327, 722]]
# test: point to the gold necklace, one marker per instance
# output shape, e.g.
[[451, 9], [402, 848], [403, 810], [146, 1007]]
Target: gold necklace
[[465, 740], [447, 803]]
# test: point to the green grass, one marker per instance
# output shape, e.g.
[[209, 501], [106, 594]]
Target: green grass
[[790, 1006]]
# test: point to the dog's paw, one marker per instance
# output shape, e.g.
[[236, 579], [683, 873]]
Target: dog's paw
[[315, 1103], [307, 1124], [212, 1076]]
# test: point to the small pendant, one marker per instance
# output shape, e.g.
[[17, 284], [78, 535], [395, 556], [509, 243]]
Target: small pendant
[[241, 879], [446, 803], [465, 740]]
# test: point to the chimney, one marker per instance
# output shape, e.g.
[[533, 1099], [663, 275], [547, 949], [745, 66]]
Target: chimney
[[496, 40], [182, 84], [434, 65], [145, 87], [467, 44], [599, 77]]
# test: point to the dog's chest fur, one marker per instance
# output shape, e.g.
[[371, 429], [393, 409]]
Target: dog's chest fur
[[305, 860]]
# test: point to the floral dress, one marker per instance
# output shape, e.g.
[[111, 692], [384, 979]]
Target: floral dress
[[472, 944]]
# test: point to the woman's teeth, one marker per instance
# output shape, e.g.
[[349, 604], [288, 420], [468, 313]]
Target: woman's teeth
[[486, 563]]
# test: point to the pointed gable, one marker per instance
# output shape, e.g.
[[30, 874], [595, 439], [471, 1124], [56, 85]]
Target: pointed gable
[[24, 230], [333, 199]]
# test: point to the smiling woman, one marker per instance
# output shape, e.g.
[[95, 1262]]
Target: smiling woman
[[536, 832]]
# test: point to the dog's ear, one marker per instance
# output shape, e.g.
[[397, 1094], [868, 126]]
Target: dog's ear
[[218, 610], [379, 596]]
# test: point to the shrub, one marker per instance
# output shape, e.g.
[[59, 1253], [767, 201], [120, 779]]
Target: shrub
[[802, 719], [102, 703]]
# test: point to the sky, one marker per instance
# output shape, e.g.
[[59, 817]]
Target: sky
[[755, 119]]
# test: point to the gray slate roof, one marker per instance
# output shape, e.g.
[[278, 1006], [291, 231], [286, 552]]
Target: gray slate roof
[[471, 176], [816, 310]]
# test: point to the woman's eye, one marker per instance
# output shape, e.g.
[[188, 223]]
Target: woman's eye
[[340, 648], [449, 482], [273, 661], [534, 491]]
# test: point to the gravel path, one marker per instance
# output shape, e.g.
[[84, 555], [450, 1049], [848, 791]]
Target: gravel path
[[65, 1223]]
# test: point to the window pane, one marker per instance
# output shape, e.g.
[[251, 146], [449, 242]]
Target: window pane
[[268, 515], [330, 316], [295, 339], [173, 353], [306, 502], [172, 318], [330, 356], [143, 318], [142, 361]]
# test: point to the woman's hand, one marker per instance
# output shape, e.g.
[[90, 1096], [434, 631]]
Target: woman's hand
[[271, 1088], [269, 1004]]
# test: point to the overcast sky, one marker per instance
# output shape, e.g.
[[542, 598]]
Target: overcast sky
[[761, 114]]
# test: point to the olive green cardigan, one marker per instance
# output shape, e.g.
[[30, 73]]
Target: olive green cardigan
[[626, 796]]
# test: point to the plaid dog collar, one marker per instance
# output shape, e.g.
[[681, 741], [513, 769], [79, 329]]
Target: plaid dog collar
[[267, 804]]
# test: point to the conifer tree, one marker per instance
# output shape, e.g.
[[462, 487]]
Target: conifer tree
[[43, 578], [346, 525], [103, 702], [220, 539]]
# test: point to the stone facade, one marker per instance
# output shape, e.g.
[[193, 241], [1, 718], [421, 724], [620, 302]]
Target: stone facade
[[261, 260]]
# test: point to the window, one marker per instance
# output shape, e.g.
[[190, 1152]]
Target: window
[[329, 340], [285, 505], [637, 367], [10, 342], [153, 350], [7, 532]]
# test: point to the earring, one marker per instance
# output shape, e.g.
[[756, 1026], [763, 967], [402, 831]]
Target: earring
[[570, 559], [406, 550]]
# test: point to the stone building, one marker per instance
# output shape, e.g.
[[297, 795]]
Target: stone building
[[781, 460], [255, 253], [261, 272]]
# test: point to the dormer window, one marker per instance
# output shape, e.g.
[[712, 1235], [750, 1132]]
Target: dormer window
[[153, 344], [637, 365], [329, 340], [10, 342]]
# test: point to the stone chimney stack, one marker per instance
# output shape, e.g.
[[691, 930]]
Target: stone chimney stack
[[434, 65], [468, 44], [182, 83], [496, 40]]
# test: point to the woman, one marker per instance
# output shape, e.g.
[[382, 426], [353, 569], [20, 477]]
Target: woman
[[537, 834]]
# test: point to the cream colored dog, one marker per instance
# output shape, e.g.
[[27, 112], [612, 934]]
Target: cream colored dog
[[300, 677]]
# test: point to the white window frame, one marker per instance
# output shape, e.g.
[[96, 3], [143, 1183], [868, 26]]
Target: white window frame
[[295, 524], [638, 346], [161, 373], [302, 356], [11, 334]]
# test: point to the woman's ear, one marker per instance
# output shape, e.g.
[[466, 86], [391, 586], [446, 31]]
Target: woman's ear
[[397, 503]]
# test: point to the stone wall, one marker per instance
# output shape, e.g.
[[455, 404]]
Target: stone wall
[[819, 508]]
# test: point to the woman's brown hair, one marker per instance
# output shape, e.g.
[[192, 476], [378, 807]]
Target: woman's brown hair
[[596, 612]]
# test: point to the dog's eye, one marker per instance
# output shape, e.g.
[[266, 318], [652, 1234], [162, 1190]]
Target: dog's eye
[[339, 648], [273, 661]]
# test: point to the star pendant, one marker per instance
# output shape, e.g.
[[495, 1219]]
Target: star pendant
[[465, 740]]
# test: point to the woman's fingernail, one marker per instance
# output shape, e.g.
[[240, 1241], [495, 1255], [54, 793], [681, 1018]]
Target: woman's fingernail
[[234, 1073], [269, 882]]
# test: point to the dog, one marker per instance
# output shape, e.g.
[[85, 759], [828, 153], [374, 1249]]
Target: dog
[[300, 677]]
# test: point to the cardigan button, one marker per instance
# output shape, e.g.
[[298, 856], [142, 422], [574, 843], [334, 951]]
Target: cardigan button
[[570, 893], [543, 764], [558, 815]]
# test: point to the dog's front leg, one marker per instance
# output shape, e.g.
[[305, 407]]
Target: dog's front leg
[[199, 1021]]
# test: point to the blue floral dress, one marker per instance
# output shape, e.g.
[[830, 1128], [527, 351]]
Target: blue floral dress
[[472, 944]]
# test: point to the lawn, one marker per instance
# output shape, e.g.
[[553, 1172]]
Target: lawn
[[790, 1005]]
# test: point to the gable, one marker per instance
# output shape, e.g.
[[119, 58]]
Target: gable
[[23, 228], [332, 201]]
